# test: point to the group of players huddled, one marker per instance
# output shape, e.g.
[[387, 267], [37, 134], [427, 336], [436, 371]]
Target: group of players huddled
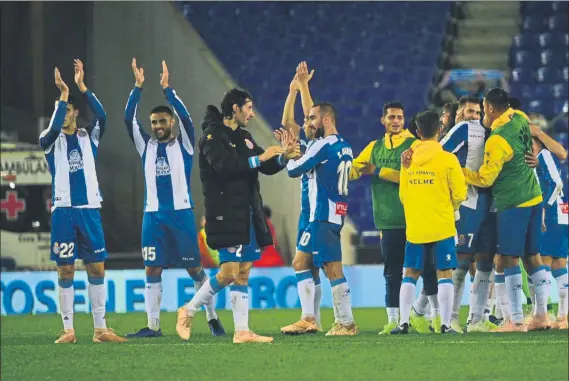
[[447, 192]]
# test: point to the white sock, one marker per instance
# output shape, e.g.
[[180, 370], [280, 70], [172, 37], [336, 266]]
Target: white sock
[[479, 297], [458, 276], [240, 306], [434, 303], [206, 292], [513, 281], [502, 298], [491, 301], [540, 280], [392, 314], [317, 298], [562, 286], [66, 299], [342, 298], [98, 299], [306, 289], [421, 303], [209, 305], [152, 301], [531, 294], [445, 299], [406, 296]]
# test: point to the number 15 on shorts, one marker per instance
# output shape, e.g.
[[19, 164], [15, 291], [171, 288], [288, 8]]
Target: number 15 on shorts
[[149, 253]]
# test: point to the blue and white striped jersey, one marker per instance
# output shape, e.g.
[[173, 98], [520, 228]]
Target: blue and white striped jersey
[[71, 157], [304, 198], [326, 163], [554, 195], [167, 166], [466, 140]]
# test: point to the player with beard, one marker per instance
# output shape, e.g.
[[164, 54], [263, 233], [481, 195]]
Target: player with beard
[[307, 275], [169, 233], [230, 162]]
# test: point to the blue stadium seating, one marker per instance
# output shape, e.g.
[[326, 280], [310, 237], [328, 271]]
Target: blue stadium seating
[[539, 56], [364, 53]]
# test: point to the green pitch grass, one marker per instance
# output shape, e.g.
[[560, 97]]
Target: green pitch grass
[[28, 352]]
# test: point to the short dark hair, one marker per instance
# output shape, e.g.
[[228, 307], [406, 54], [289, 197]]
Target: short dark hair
[[327, 108], [451, 108], [234, 97], [427, 124], [162, 108], [468, 99], [498, 98], [70, 101], [395, 104], [412, 127], [515, 103]]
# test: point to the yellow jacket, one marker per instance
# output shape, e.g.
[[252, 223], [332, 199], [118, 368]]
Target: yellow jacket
[[497, 152], [361, 164], [430, 191]]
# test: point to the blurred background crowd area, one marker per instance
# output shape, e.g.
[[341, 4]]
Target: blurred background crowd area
[[365, 54]]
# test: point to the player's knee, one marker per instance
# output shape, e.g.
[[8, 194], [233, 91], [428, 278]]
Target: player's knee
[[444, 274], [153, 271], [334, 270], [66, 272], [558, 263], [412, 273], [546, 260], [299, 263], [96, 270]]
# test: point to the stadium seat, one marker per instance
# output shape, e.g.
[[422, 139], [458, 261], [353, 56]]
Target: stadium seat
[[544, 92], [560, 90], [520, 75], [525, 41], [537, 8], [559, 106], [550, 57], [548, 75], [527, 59], [560, 7], [533, 23], [558, 22], [552, 40]]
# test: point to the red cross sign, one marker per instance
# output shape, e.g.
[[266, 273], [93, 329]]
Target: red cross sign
[[12, 205]]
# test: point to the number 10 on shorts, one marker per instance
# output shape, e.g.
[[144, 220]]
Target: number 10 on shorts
[[149, 253]]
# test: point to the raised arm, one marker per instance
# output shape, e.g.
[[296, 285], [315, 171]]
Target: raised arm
[[49, 135], [551, 144], [138, 136], [99, 122], [304, 77], [315, 155], [288, 121], [186, 124]]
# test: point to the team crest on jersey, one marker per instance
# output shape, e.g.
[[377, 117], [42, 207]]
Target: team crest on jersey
[[75, 161], [565, 208], [209, 137], [56, 248], [162, 167], [82, 133], [232, 249], [249, 144]]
